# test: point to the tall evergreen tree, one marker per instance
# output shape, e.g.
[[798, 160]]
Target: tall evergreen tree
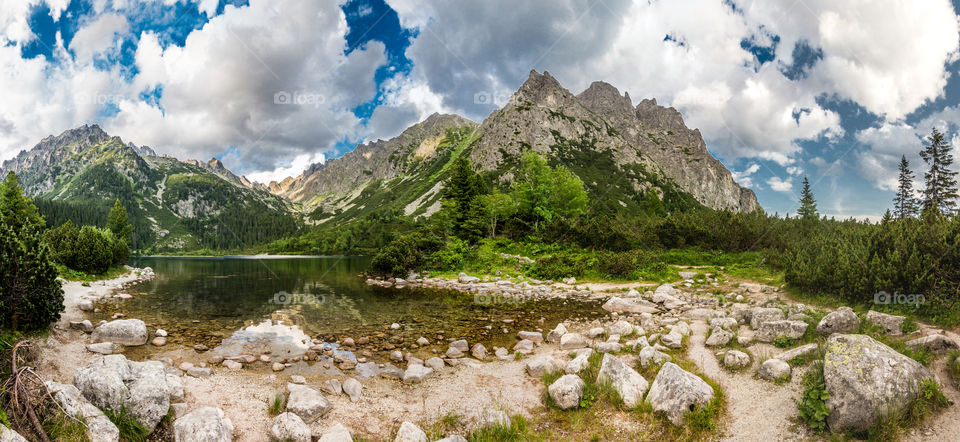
[[117, 222], [940, 193], [459, 194], [904, 204], [808, 205], [16, 210]]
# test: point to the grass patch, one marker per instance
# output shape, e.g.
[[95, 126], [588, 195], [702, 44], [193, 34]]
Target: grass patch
[[953, 366], [278, 405], [890, 425], [813, 403], [76, 275], [784, 342], [909, 325], [62, 427], [517, 430], [130, 429]]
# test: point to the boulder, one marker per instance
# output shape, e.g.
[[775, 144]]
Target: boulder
[[85, 326], [719, 337], [148, 400], [333, 386], [571, 341], [205, 424], [525, 346], [567, 391], [129, 332], [454, 353], [628, 383], [102, 381], [307, 402], [774, 370], [99, 427], [416, 373], [353, 388], [632, 305], [104, 348], [724, 323], [557, 333], [864, 377], [479, 351], [842, 320], [288, 427], [676, 392], [620, 328], [467, 279], [8, 435], [681, 327], [579, 363], [736, 359], [672, 340], [535, 337], [542, 364], [460, 344], [890, 323], [434, 363], [409, 432], [799, 352], [759, 315], [337, 433], [771, 330], [935, 344], [651, 356]]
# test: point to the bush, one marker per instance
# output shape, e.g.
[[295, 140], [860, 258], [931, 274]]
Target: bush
[[406, 253], [88, 249], [30, 294]]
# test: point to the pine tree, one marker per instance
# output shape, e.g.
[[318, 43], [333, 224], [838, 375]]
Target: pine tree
[[117, 222], [904, 204], [808, 205], [16, 210], [940, 193]]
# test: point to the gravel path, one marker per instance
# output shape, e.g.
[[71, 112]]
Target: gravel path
[[757, 410]]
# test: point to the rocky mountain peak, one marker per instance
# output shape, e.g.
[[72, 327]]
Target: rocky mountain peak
[[215, 165], [604, 98], [542, 89]]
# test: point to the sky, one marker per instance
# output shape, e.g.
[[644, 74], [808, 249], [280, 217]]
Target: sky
[[833, 90]]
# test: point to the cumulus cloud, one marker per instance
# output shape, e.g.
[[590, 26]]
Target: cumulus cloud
[[98, 36], [744, 177], [779, 184]]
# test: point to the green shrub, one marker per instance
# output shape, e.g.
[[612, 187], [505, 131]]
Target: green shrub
[[784, 342], [30, 294], [130, 429]]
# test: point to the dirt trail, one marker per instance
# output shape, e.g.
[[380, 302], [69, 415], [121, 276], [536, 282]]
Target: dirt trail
[[946, 425], [757, 410]]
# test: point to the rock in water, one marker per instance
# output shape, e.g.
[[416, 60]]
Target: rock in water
[[289, 427], [843, 320], [676, 392], [628, 383], [130, 332], [410, 433], [864, 377], [567, 391], [205, 424], [307, 402]]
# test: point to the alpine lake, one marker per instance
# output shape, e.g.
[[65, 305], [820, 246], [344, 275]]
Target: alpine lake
[[278, 305]]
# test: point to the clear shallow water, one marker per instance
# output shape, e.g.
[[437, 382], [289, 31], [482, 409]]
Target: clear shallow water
[[248, 305]]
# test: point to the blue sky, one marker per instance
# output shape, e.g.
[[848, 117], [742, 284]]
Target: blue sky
[[778, 94]]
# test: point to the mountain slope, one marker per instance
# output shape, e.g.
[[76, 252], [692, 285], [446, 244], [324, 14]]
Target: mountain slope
[[174, 205], [624, 154]]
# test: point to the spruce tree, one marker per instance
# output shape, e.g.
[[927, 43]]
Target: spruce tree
[[904, 204], [117, 222], [808, 205], [940, 193], [16, 210]]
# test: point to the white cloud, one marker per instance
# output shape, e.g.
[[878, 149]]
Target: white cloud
[[794, 170], [98, 36], [780, 185], [292, 169], [744, 177]]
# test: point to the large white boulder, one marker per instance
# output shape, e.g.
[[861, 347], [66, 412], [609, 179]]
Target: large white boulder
[[99, 427], [628, 383], [865, 377], [771, 330], [206, 424], [410, 433], [676, 392], [567, 391], [288, 427], [307, 402], [130, 332], [759, 315], [842, 320]]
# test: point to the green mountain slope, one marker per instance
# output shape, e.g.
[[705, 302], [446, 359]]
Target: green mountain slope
[[174, 205]]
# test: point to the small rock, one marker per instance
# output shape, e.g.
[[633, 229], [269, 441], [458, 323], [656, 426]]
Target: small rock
[[159, 341], [232, 365], [628, 383], [297, 379], [570, 341], [676, 392], [410, 433], [332, 386], [535, 337], [423, 341], [934, 344], [103, 348], [736, 359], [719, 337], [479, 351], [567, 392], [161, 332], [337, 433], [352, 388], [289, 427], [556, 333], [307, 402], [416, 373], [774, 370], [278, 366], [843, 320], [205, 424], [525, 346], [542, 364]]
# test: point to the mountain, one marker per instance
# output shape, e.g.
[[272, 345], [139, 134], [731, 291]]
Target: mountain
[[621, 152], [174, 205]]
